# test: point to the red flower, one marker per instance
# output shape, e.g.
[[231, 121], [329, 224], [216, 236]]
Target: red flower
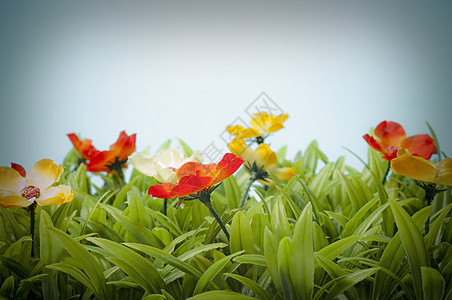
[[194, 177], [390, 137], [83, 147], [116, 157]]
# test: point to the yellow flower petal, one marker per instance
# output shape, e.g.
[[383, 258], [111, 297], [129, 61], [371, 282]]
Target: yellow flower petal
[[14, 202], [284, 173], [265, 124], [235, 130], [249, 133], [55, 195], [11, 181], [264, 156], [43, 174], [414, 167], [238, 147], [444, 171]]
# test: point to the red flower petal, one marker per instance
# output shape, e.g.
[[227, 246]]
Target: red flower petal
[[19, 169], [373, 143], [194, 168], [194, 177], [187, 185], [83, 147], [391, 134], [121, 149], [227, 166], [161, 190], [420, 145]]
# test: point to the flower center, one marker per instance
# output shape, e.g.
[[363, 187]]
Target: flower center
[[31, 191]]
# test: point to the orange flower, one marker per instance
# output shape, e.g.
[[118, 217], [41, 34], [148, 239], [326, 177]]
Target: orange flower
[[116, 157], [390, 137], [194, 177], [83, 147]]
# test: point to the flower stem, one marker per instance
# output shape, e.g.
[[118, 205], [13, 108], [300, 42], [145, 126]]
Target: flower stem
[[165, 206], [386, 173], [245, 194], [429, 196], [214, 213], [32, 209], [118, 178]]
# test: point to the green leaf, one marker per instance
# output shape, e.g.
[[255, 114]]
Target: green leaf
[[333, 250], [284, 264], [220, 295], [169, 259], [413, 243], [392, 255], [335, 271], [241, 234], [302, 256], [15, 267], [84, 260], [432, 284], [74, 272], [7, 288], [348, 281], [254, 259], [138, 267], [271, 257], [232, 192], [279, 222], [187, 150], [252, 285], [212, 272]]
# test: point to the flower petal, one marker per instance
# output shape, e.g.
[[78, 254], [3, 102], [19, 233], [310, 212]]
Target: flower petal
[[420, 145], [121, 149], [83, 147], [14, 202], [249, 133], [55, 195], [124, 146], [226, 167], [43, 174], [444, 171], [194, 168], [186, 186], [264, 156], [19, 169], [413, 166], [190, 184], [284, 173], [235, 129], [373, 143], [161, 190], [239, 147], [391, 134], [11, 181], [143, 163]]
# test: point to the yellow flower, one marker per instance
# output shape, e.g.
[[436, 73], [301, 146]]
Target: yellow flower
[[263, 156], [18, 189], [421, 169], [261, 123]]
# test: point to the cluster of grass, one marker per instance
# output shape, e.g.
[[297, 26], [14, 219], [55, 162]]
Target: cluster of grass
[[330, 232]]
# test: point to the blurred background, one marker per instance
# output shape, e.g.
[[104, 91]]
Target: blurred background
[[186, 70]]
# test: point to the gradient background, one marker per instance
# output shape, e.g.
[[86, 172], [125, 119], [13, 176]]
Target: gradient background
[[164, 70]]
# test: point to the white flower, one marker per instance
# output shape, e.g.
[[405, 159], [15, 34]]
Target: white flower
[[164, 164]]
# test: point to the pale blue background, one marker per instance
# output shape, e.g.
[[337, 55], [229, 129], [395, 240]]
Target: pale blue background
[[164, 69]]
